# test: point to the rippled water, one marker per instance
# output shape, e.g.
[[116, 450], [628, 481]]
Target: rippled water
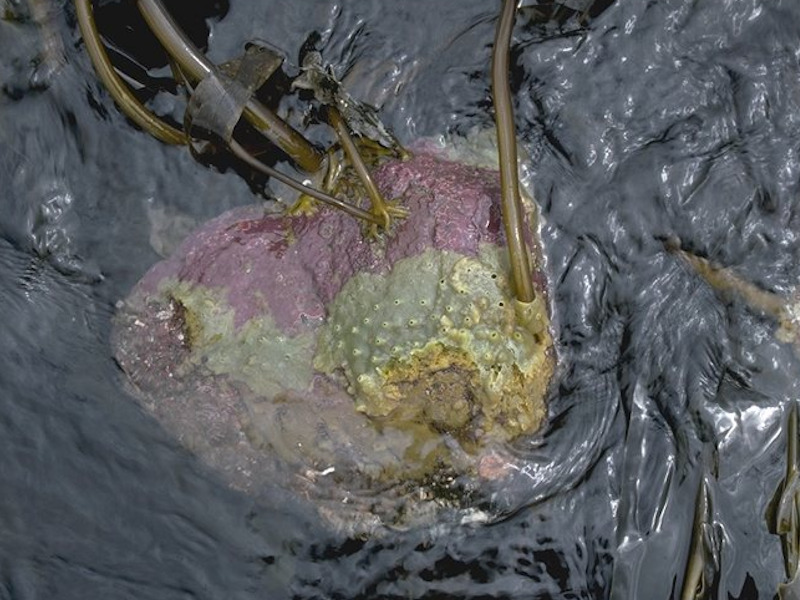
[[652, 120]]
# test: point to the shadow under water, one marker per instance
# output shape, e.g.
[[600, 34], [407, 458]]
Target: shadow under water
[[642, 122]]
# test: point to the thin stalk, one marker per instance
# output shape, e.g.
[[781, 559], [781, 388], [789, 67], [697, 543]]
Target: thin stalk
[[787, 527], [694, 580], [379, 207], [129, 105], [248, 158], [197, 66], [511, 202], [245, 156]]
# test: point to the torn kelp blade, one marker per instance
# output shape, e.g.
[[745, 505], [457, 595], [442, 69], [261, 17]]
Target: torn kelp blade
[[380, 379]]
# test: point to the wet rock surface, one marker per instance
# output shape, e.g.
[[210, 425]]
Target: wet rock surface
[[370, 376]]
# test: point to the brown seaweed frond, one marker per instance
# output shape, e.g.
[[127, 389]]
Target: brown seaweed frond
[[220, 95], [120, 92], [256, 164], [197, 67], [511, 201], [382, 210]]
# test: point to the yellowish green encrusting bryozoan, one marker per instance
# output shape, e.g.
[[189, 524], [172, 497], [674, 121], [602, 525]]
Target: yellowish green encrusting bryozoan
[[438, 340], [257, 353]]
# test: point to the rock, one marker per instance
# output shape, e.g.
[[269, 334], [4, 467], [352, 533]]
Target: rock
[[371, 376]]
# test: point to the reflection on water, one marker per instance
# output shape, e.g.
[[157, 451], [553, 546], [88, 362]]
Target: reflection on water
[[644, 122]]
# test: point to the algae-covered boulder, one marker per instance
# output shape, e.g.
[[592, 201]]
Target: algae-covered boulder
[[371, 375]]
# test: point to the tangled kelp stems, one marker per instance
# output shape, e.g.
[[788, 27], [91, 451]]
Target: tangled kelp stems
[[382, 211], [242, 154], [114, 84], [354, 211], [511, 202], [197, 67], [194, 63]]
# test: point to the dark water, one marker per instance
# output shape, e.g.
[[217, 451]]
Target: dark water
[[654, 119]]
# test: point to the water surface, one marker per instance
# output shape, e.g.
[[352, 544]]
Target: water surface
[[647, 121]]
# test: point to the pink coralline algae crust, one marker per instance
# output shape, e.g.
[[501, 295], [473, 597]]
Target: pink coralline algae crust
[[452, 206], [254, 257]]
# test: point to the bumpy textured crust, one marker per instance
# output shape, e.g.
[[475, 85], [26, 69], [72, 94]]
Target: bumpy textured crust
[[397, 335]]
